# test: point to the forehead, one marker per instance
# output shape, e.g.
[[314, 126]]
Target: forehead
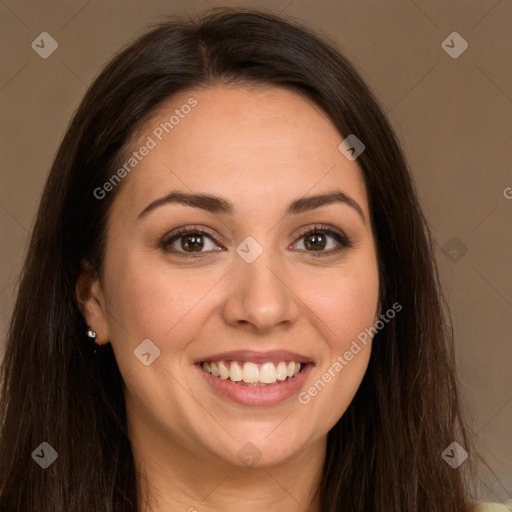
[[250, 144]]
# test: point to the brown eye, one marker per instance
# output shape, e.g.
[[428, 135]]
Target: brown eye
[[316, 240], [187, 241], [195, 242], [192, 242]]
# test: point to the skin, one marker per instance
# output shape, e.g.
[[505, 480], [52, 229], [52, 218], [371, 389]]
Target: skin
[[260, 148]]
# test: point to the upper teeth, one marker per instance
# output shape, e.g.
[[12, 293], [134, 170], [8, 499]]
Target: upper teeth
[[266, 373]]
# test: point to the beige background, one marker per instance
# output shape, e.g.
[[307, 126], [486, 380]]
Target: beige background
[[453, 116]]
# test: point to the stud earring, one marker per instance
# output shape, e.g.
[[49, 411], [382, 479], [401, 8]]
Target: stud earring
[[92, 334]]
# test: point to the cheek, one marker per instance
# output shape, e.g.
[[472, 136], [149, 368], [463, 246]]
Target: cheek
[[346, 302], [148, 299], [352, 309], [345, 306]]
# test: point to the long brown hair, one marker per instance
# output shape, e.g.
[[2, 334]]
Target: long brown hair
[[384, 454]]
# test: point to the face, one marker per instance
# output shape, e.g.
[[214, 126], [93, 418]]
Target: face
[[251, 277]]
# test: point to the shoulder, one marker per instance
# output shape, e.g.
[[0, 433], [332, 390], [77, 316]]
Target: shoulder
[[494, 507]]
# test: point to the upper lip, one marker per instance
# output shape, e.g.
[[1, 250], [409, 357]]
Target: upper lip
[[256, 356]]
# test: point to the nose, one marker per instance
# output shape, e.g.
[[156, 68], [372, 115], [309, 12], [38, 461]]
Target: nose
[[259, 296]]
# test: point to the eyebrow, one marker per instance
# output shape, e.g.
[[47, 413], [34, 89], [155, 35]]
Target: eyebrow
[[216, 204]]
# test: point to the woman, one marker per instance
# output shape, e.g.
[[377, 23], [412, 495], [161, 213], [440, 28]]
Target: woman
[[230, 296]]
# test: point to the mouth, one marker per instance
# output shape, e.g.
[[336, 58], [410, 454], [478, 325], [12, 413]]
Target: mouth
[[255, 378], [251, 374], [241, 381]]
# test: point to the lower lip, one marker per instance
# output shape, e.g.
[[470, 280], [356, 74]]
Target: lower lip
[[257, 395]]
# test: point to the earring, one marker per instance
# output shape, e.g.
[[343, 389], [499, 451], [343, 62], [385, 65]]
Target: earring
[[92, 334]]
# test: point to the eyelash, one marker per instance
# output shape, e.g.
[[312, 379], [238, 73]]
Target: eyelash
[[343, 241]]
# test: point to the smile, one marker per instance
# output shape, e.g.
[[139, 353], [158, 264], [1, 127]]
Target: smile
[[251, 374]]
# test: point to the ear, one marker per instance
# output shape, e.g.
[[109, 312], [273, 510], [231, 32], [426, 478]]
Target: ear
[[91, 301]]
